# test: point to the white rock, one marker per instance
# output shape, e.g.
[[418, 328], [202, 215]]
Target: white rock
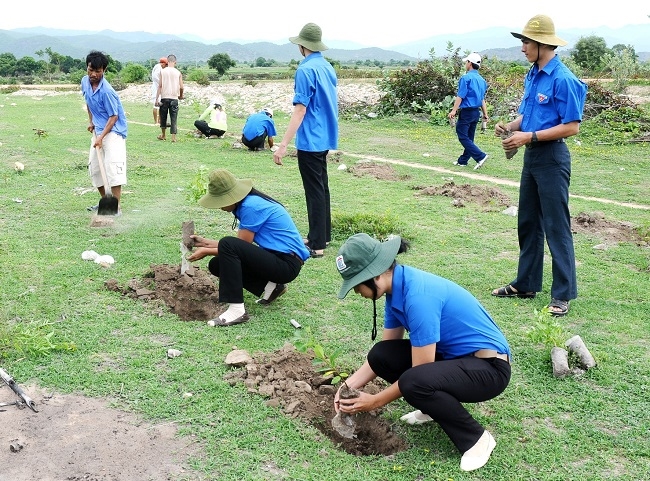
[[171, 353], [274, 148], [512, 210], [89, 255], [342, 167], [19, 167]]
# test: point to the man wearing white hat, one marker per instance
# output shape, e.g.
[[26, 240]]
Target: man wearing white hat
[[550, 111], [469, 103]]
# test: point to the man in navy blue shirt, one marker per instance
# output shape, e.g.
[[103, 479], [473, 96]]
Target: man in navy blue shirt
[[550, 111]]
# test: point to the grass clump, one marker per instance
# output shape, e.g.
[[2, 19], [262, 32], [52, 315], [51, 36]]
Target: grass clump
[[380, 226], [31, 339]]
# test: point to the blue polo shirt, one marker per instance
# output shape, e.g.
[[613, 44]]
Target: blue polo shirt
[[436, 310], [259, 124], [552, 96], [273, 227], [315, 88], [104, 103], [471, 88]]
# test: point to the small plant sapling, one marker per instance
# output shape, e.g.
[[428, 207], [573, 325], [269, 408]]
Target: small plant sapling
[[325, 363]]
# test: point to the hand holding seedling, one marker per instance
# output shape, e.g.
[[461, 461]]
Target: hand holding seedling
[[205, 247]]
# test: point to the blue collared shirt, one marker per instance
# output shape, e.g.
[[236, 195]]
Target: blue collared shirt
[[259, 124], [272, 225], [436, 310], [315, 88], [471, 88], [552, 96], [104, 103]]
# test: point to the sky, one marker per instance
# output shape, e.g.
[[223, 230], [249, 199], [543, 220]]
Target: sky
[[367, 23]]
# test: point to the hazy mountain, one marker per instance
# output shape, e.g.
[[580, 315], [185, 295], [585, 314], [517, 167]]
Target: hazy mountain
[[143, 46]]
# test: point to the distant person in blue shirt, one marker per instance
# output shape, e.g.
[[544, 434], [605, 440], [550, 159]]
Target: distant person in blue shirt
[[258, 128], [454, 353], [107, 120], [469, 103], [315, 123], [550, 111], [267, 253]]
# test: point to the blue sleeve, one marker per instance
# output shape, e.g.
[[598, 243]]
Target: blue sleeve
[[570, 95], [304, 88]]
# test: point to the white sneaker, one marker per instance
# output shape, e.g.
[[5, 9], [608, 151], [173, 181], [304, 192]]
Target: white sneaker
[[416, 417], [481, 162], [459, 165], [478, 455]]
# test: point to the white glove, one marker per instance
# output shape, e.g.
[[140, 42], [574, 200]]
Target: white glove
[[416, 417]]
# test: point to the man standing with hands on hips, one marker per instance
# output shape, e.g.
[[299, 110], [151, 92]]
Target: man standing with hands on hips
[[469, 102], [550, 111], [314, 122]]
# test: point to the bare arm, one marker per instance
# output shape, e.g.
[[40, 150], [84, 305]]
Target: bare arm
[[297, 117]]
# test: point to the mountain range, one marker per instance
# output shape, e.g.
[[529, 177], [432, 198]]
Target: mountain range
[[144, 46]]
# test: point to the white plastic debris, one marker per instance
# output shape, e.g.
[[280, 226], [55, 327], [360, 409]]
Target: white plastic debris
[[89, 255], [105, 260], [512, 210], [295, 323]]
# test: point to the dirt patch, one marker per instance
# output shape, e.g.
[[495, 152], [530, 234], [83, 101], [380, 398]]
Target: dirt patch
[[490, 198], [380, 171], [192, 296], [78, 438], [288, 380], [611, 232]]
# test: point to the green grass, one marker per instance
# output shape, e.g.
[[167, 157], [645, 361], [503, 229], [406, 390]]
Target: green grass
[[593, 427]]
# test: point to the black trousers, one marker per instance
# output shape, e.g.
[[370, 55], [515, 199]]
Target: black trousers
[[256, 143], [242, 265], [438, 388], [313, 170], [206, 130]]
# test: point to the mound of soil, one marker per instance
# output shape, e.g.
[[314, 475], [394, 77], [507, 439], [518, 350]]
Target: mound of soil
[[192, 296], [379, 171], [288, 380], [611, 232], [485, 196]]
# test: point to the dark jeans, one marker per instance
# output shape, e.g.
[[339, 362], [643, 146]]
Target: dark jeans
[[544, 212], [438, 388], [466, 130], [256, 143], [171, 106], [206, 130], [313, 170], [242, 265]]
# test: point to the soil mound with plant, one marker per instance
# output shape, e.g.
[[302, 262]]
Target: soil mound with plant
[[287, 379]]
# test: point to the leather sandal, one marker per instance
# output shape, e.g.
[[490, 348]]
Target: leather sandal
[[277, 292], [558, 307], [509, 291]]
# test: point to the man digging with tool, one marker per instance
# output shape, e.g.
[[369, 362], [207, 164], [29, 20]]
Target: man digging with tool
[[106, 118]]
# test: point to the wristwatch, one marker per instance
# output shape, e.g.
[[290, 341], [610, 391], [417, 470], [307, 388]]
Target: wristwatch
[[534, 138]]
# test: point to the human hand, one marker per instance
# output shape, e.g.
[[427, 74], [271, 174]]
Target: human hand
[[200, 253], [416, 417], [91, 127], [279, 153], [365, 402], [452, 114], [500, 129]]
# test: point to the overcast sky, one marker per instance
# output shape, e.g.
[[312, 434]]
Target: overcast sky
[[365, 22]]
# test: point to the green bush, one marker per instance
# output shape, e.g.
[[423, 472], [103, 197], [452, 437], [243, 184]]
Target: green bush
[[134, 73], [198, 76]]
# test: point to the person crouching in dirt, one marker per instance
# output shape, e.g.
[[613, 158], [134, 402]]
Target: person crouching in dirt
[[267, 253], [257, 128], [455, 352], [213, 122]]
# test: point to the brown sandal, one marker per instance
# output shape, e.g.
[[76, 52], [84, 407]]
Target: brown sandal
[[509, 291]]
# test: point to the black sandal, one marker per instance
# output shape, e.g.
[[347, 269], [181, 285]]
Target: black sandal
[[561, 306], [509, 291]]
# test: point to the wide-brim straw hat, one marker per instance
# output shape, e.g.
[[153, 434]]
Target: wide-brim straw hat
[[310, 37], [541, 29], [362, 257], [225, 189]]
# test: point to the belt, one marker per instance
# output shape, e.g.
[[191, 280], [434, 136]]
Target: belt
[[491, 354], [540, 143], [302, 263]]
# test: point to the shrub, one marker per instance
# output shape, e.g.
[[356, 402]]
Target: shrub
[[377, 225], [199, 77], [134, 73]]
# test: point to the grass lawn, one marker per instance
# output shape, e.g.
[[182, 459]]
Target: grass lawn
[[594, 427]]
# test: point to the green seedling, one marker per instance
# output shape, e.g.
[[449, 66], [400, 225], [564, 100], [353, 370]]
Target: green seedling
[[325, 363], [547, 329]]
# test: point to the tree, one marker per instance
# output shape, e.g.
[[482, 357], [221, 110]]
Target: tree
[[7, 65], [620, 48], [221, 62], [134, 73], [589, 51], [53, 62], [27, 66]]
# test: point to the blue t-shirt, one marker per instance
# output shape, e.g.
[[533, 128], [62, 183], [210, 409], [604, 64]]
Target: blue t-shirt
[[273, 227], [471, 88], [315, 88], [104, 103], [552, 96], [259, 124], [436, 310]]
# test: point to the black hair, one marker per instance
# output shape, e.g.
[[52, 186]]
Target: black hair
[[404, 246], [258, 193], [97, 60], [217, 106]]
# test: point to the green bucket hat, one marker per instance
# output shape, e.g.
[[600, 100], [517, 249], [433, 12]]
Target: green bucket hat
[[310, 37], [541, 29], [363, 257], [225, 189]]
